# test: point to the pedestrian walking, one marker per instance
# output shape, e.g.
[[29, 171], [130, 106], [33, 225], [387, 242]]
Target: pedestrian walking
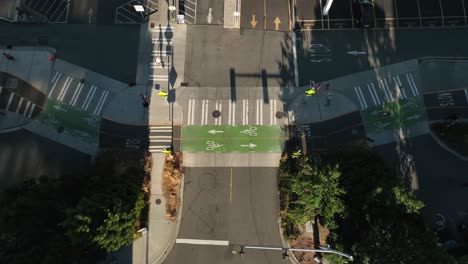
[[158, 60], [8, 56], [329, 97], [144, 100]]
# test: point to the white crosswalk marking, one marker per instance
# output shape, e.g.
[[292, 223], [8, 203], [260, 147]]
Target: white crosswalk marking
[[400, 92], [31, 111], [413, 86], [220, 108], [160, 137], [466, 95], [163, 41], [362, 100], [1, 88], [101, 101], [18, 107], [375, 93], [387, 88], [232, 113], [9, 101], [76, 94], [88, 98], [54, 84], [25, 111], [55, 76], [273, 114], [382, 88], [65, 88], [369, 87], [156, 77]]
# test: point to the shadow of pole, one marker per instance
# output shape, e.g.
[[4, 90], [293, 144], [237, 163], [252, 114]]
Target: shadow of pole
[[232, 81]]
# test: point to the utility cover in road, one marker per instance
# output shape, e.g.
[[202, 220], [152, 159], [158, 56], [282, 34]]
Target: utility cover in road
[[232, 139], [71, 120], [397, 114]]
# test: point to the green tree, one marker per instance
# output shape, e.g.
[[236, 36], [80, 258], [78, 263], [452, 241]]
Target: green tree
[[106, 220]]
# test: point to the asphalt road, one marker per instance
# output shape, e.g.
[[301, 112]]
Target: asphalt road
[[383, 47], [216, 57], [239, 205], [265, 14], [89, 46], [118, 135], [25, 155], [329, 134], [440, 177]]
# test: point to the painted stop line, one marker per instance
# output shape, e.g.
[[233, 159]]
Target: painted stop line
[[393, 115], [232, 139]]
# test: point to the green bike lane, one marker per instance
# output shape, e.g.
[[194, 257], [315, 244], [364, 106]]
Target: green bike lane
[[402, 113], [232, 138], [73, 121]]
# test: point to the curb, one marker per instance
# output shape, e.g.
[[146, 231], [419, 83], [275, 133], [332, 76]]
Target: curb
[[285, 243], [175, 229], [444, 146]]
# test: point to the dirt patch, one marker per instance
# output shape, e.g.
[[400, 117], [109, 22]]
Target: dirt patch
[[306, 240], [171, 184]]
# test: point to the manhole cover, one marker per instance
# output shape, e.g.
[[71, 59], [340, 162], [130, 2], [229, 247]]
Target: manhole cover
[[279, 114], [158, 201], [216, 113], [60, 129]]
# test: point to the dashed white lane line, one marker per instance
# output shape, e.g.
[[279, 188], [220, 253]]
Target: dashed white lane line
[[202, 242]]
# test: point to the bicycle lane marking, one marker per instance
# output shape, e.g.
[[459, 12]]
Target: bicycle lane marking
[[75, 122], [401, 113], [232, 139]]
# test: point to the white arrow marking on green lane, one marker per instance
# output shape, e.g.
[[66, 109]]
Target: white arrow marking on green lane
[[413, 117], [213, 131], [251, 145], [381, 125], [83, 134], [59, 108]]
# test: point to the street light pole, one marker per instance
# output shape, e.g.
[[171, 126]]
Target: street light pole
[[285, 254]]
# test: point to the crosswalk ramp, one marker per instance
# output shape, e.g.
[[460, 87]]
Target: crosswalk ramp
[[78, 93], [16, 103], [161, 57], [160, 137], [386, 90], [229, 112]]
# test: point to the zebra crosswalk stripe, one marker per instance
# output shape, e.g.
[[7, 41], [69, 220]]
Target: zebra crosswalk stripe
[[54, 84]]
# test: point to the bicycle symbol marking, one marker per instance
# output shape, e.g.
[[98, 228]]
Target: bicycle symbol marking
[[51, 120], [381, 125], [410, 103], [92, 121], [252, 131], [212, 145]]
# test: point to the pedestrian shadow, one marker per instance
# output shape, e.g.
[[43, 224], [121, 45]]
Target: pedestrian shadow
[[232, 84]]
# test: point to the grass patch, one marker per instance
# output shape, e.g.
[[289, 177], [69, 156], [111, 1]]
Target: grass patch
[[454, 137]]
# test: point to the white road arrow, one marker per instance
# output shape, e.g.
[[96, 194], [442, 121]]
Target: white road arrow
[[213, 131], [251, 145], [414, 117], [59, 108], [209, 18], [90, 15], [356, 53]]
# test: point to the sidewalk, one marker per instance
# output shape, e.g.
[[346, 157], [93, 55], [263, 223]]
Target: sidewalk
[[164, 39]]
